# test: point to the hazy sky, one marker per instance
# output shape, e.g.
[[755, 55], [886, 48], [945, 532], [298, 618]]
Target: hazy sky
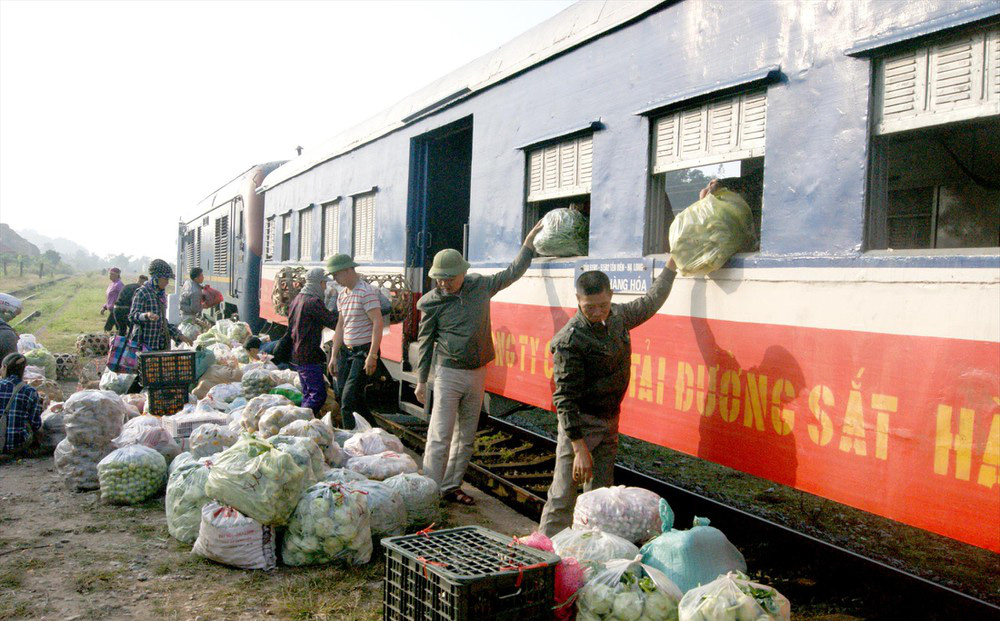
[[118, 117]]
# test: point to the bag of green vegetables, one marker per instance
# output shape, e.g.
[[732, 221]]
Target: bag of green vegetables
[[256, 478], [706, 234], [565, 233], [627, 589], [733, 597]]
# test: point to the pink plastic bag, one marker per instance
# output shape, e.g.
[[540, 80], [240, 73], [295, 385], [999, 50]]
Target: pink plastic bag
[[569, 576]]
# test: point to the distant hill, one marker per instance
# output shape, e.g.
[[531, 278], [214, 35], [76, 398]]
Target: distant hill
[[70, 251], [11, 242]]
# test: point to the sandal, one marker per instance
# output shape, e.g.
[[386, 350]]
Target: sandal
[[460, 497]]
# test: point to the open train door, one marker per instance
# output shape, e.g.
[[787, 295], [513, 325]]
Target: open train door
[[437, 210]]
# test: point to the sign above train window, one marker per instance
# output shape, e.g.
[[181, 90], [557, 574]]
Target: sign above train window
[[626, 275]]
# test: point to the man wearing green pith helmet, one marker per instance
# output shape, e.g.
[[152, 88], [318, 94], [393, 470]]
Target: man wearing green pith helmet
[[455, 322]]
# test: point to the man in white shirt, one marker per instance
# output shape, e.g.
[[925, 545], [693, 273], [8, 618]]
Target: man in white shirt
[[357, 338]]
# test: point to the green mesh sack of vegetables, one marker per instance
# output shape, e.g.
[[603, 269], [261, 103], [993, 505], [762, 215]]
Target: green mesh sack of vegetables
[[185, 499], [257, 479], [733, 597], [131, 474], [289, 393], [40, 357], [627, 590], [706, 234], [565, 233], [691, 557], [331, 524]]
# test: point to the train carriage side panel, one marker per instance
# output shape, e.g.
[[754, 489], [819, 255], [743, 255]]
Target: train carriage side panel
[[869, 378]]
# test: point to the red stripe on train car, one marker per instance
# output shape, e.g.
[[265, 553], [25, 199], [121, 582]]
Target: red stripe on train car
[[902, 426]]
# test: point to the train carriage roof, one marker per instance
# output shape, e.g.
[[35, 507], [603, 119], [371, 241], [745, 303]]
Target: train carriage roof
[[227, 191], [571, 27]]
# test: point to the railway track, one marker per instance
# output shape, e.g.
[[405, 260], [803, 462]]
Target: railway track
[[515, 465]]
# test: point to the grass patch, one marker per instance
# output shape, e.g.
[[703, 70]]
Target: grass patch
[[10, 579], [67, 309], [16, 608], [90, 581]]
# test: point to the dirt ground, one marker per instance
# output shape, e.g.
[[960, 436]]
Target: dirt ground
[[69, 556]]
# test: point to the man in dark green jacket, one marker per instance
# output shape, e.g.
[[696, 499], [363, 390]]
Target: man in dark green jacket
[[455, 322], [592, 361]]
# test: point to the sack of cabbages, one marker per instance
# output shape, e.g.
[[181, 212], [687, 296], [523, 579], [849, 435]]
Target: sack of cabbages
[[225, 394], [189, 329], [10, 306], [209, 439], [590, 545], [227, 536], [26, 343], [118, 383], [385, 507], [383, 465], [320, 433], [215, 375], [258, 382], [287, 376], [421, 495], [67, 367], [632, 513], [627, 589], [306, 455], [186, 498], [93, 345], [180, 460], [341, 436], [372, 442], [131, 474], [342, 475], [330, 524], [53, 430], [256, 407], [569, 576], [93, 417], [691, 557], [706, 234], [277, 417], [258, 479], [40, 357], [565, 233], [77, 465], [733, 597]]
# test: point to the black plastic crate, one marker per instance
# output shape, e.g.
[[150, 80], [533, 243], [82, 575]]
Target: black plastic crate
[[167, 400], [166, 368], [466, 574]]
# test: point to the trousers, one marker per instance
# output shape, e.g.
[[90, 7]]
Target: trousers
[[558, 512], [458, 400], [313, 386], [351, 383]]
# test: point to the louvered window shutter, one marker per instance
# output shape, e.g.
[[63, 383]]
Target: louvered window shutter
[[331, 229], [189, 251], [721, 130], [561, 170], [269, 239], [221, 250], [305, 234], [955, 79], [364, 226]]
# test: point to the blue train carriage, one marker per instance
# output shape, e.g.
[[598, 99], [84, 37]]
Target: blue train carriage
[[852, 353], [224, 237]]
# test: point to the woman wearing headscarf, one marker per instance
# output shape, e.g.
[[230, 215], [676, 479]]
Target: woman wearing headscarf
[[307, 316], [148, 313], [20, 406]]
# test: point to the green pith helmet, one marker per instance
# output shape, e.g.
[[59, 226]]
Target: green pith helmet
[[339, 262], [448, 263]]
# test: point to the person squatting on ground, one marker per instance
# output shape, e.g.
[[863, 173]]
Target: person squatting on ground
[[20, 406], [148, 313], [455, 325], [357, 339], [591, 367], [307, 316], [192, 295], [114, 290], [124, 303]]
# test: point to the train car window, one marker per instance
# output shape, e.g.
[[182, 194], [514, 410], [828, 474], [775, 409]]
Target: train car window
[[286, 237], [559, 176], [364, 226], [269, 239], [935, 168], [305, 234], [719, 139], [331, 228]]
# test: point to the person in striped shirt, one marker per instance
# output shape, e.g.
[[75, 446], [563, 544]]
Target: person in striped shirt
[[357, 338]]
